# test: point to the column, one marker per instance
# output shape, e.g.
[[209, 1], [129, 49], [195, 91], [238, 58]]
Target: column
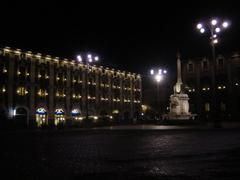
[[84, 86], [10, 83], [32, 89], [51, 93], [131, 98], [68, 93]]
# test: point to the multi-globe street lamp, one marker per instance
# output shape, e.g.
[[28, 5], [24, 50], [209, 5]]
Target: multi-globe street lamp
[[215, 26], [158, 75], [87, 59]]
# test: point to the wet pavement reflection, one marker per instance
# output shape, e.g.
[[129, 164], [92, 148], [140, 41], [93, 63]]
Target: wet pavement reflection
[[122, 154]]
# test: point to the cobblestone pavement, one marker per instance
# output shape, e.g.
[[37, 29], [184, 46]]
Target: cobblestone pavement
[[122, 154]]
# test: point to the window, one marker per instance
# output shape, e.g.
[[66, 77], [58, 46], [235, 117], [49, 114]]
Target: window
[[22, 91], [220, 63], [190, 67], [205, 65], [207, 107], [222, 106], [42, 92]]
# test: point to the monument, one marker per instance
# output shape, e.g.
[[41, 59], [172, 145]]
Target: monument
[[179, 106]]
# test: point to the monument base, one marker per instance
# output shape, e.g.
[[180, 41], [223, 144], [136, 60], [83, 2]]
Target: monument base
[[179, 108]]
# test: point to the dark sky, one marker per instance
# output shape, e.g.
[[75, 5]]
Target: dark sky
[[129, 36]]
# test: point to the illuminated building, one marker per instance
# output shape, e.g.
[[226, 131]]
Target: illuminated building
[[40, 89]]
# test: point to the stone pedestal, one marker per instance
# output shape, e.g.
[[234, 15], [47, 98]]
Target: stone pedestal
[[179, 107]]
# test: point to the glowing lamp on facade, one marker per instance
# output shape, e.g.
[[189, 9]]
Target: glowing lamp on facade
[[79, 58]]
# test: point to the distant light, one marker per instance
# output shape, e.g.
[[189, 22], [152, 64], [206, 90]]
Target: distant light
[[90, 60], [214, 22], [96, 58], [142, 114], [164, 71], [202, 30], [214, 36], [225, 24], [152, 72], [14, 112], [89, 56], [95, 117], [160, 71], [199, 26], [236, 84], [79, 58], [158, 78], [217, 29], [215, 41]]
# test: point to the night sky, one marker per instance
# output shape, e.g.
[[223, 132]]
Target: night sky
[[127, 36]]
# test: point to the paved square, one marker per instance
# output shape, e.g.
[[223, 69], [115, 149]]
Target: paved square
[[122, 154]]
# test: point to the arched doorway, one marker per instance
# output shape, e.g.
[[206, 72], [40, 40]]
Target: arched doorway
[[116, 115], [76, 114], [41, 117], [59, 116], [21, 117]]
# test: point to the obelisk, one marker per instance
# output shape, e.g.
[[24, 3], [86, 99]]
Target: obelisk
[[179, 106], [178, 86]]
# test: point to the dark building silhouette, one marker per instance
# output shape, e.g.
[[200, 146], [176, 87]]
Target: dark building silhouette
[[213, 87]]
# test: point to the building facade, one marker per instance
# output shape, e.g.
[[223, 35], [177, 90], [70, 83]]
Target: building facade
[[214, 87], [38, 89]]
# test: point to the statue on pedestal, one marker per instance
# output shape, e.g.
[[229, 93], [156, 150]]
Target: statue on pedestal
[[179, 106]]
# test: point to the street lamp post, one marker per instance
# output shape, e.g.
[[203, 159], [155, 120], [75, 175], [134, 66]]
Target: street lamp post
[[158, 75], [215, 26], [88, 60]]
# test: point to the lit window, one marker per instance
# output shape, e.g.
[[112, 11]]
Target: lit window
[[4, 70], [22, 91], [3, 89], [207, 107], [42, 92]]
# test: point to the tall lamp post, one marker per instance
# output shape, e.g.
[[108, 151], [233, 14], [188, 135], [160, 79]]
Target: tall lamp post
[[214, 27], [87, 59], [158, 75]]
